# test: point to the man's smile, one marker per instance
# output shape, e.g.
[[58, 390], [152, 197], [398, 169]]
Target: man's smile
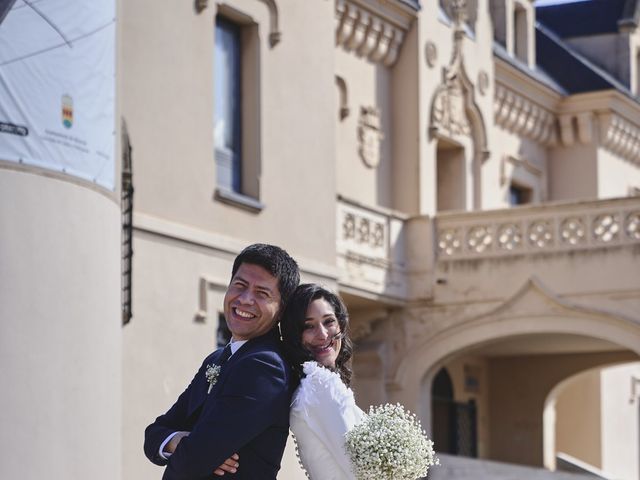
[[243, 313]]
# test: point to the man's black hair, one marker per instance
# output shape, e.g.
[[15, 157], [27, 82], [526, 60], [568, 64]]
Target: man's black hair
[[275, 261]]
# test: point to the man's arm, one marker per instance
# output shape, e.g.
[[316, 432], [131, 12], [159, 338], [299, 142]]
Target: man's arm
[[242, 410], [165, 425]]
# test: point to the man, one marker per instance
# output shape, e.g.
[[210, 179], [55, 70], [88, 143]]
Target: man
[[238, 404]]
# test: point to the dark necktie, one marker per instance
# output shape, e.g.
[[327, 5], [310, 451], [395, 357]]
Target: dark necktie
[[224, 356]]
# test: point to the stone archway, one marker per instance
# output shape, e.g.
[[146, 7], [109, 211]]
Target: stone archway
[[532, 310]]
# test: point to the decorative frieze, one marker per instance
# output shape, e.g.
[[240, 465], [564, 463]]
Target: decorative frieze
[[538, 230], [373, 30], [620, 136], [519, 115]]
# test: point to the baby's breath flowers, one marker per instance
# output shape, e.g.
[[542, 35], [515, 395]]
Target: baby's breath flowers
[[211, 374], [389, 444]]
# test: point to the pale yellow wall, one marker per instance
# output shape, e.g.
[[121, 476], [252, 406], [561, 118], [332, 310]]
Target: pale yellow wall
[[617, 177], [517, 160], [573, 172], [519, 387], [578, 428], [368, 85], [407, 124], [60, 334], [167, 101], [620, 398]]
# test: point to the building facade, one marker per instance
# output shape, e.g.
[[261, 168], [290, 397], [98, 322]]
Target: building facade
[[464, 173]]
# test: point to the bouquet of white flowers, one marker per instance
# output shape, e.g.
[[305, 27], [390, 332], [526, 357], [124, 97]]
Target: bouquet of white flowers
[[389, 444]]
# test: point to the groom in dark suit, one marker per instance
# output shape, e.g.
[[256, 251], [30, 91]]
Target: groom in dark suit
[[238, 402]]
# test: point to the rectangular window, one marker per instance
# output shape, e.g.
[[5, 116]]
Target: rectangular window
[[236, 123], [227, 134]]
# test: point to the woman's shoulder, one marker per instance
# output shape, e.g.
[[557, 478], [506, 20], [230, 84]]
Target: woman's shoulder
[[320, 384]]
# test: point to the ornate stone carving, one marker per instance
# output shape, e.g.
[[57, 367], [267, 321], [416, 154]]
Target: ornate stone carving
[[520, 115], [449, 110], [343, 97], [431, 53], [480, 238], [369, 136], [509, 236], [375, 35], [540, 234], [483, 82], [573, 231], [620, 136], [363, 230], [632, 225], [449, 241], [540, 229], [453, 109], [606, 227]]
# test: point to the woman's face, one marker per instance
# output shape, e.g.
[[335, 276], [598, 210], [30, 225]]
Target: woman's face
[[320, 329]]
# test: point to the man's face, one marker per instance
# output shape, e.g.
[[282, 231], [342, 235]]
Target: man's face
[[252, 302]]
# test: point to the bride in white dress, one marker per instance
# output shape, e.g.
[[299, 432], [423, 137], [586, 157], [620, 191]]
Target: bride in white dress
[[316, 340]]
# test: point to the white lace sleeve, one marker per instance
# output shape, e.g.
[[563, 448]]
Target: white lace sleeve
[[323, 410]]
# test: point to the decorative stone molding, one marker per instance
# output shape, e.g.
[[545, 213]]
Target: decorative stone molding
[[204, 285], [274, 32], [516, 162], [453, 109], [576, 127], [522, 116], [200, 5], [532, 230], [483, 82], [431, 53], [369, 136], [373, 30], [620, 136], [343, 96]]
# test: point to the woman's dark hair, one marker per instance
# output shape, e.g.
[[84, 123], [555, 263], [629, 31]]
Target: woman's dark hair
[[292, 327]]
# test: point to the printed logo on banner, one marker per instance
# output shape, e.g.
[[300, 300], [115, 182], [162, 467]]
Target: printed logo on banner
[[67, 111]]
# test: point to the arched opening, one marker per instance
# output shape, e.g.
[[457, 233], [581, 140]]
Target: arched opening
[[443, 412], [454, 423], [488, 400], [584, 412]]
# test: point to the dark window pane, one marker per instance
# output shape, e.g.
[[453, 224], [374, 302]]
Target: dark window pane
[[227, 101]]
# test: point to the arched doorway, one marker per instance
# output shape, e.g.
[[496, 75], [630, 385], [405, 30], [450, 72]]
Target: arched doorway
[[454, 426]]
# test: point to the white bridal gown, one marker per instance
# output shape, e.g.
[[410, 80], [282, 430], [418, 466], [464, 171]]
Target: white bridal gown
[[322, 411]]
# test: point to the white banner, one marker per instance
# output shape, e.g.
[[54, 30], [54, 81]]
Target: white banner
[[57, 86]]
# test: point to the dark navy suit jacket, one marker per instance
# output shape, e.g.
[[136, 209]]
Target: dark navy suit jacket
[[247, 411]]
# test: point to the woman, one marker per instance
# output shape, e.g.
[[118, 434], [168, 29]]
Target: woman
[[316, 341]]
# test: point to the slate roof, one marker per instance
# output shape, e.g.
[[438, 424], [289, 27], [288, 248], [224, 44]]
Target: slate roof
[[588, 17], [415, 4], [574, 72]]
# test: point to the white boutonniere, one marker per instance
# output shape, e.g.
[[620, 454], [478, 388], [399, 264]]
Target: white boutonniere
[[212, 373]]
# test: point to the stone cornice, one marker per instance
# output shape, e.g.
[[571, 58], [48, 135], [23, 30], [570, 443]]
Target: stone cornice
[[372, 29], [608, 113], [526, 85], [620, 136], [518, 114]]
